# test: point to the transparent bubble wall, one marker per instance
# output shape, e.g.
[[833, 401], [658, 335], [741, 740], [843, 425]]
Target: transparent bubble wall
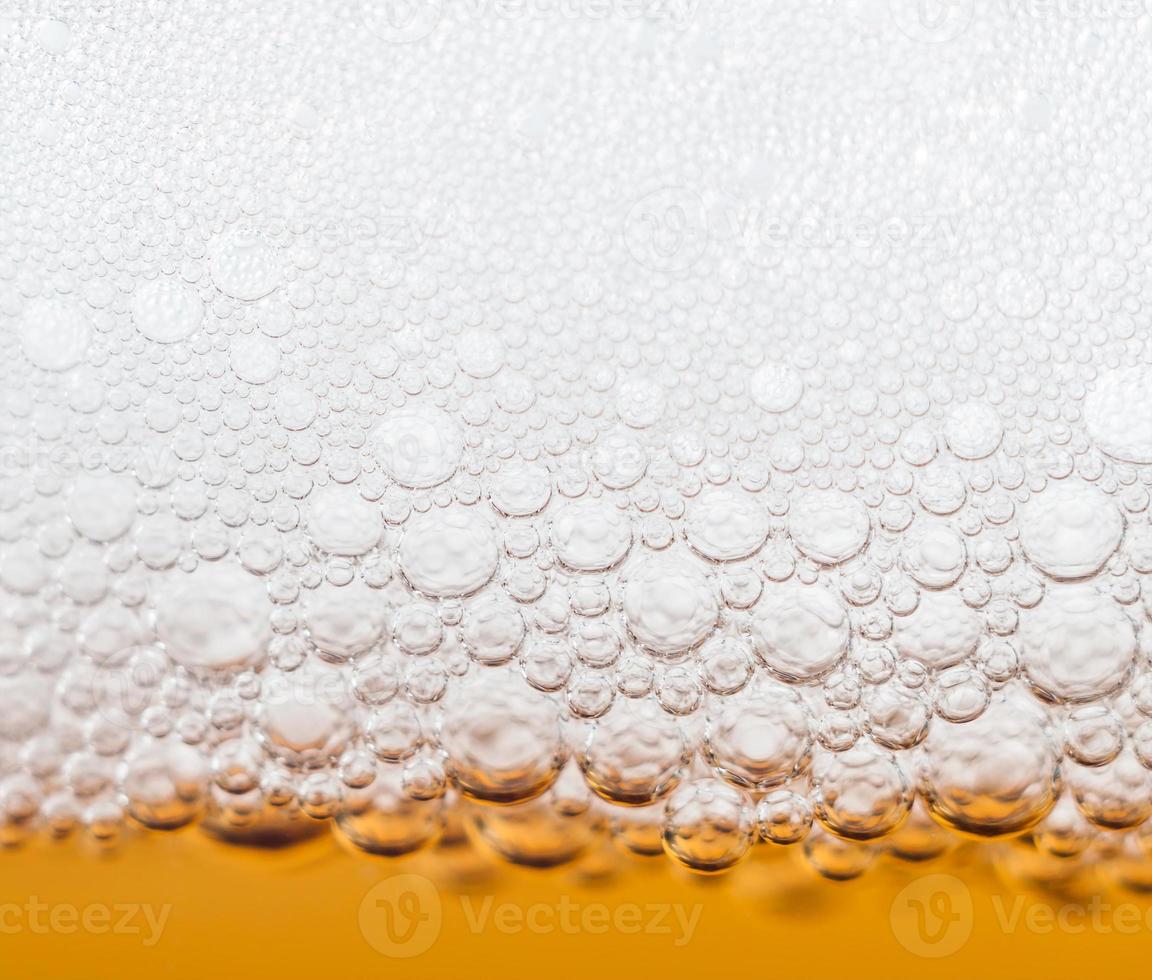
[[698, 425]]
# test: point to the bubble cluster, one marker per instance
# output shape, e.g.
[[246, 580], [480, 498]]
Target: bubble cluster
[[735, 437]]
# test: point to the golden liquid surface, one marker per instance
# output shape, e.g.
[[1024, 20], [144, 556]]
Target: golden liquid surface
[[183, 906]]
